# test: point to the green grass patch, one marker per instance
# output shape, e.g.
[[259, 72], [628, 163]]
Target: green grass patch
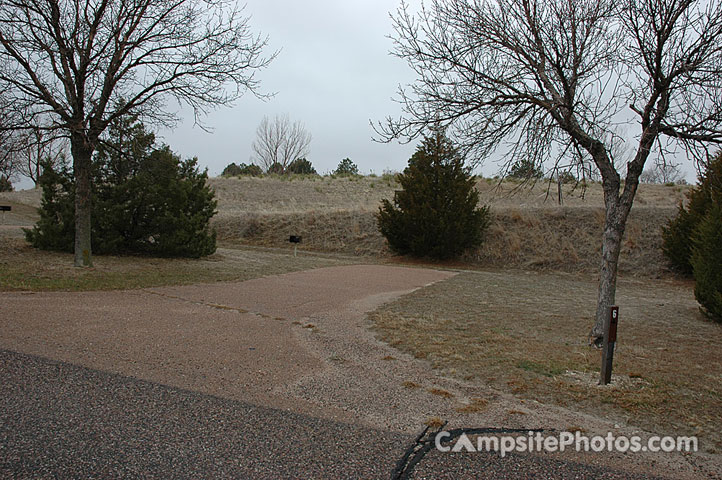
[[540, 369]]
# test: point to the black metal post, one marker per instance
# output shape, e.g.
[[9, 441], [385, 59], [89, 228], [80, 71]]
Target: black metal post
[[295, 240], [5, 208]]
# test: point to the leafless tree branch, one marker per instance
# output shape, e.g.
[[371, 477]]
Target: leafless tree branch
[[279, 142], [85, 64], [577, 82]]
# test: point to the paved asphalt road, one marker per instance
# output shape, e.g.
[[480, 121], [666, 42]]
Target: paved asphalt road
[[64, 421]]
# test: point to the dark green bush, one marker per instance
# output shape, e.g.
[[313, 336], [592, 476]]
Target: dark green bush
[[145, 200], [301, 166], [707, 263], [566, 177], [346, 167], [56, 228], [677, 235], [250, 170], [436, 214], [231, 170], [677, 239], [276, 169], [5, 184], [525, 169], [234, 170]]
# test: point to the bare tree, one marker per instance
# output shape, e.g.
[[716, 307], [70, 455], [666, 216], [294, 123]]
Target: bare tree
[[8, 157], [567, 79], [24, 152], [661, 172], [38, 148], [8, 167], [280, 142], [75, 61], [11, 141]]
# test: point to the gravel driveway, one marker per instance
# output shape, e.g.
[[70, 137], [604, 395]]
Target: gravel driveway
[[277, 377]]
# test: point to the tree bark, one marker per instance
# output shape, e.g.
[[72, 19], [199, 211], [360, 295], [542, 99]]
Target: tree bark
[[82, 154], [615, 221]]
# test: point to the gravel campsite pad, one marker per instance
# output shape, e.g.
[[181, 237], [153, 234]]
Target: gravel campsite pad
[[295, 344]]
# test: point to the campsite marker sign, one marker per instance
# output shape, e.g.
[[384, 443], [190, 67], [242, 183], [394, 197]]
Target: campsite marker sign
[[610, 341]]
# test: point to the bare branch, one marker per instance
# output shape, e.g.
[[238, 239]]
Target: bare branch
[[280, 142], [594, 84], [80, 60], [86, 64]]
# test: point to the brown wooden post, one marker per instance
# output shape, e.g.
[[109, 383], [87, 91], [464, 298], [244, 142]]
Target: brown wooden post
[[610, 340]]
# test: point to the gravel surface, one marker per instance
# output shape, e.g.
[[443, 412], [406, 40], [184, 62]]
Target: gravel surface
[[64, 421], [277, 377]]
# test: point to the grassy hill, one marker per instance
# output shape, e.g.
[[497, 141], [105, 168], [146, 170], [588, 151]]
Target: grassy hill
[[530, 230]]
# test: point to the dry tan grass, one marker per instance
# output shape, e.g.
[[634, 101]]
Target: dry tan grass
[[476, 405], [434, 422], [566, 239], [321, 194], [525, 333], [529, 230], [25, 197], [511, 194], [441, 392], [25, 268], [293, 195]]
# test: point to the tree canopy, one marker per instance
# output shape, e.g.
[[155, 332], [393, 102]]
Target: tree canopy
[[145, 199], [78, 66], [568, 82], [436, 214], [346, 167], [279, 142]]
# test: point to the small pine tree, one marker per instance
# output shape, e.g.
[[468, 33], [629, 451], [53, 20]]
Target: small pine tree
[[145, 200], [5, 184], [231, 170], [677, 235], [301, 166], [276, 169], [346, 168], [677, 238], [525, 169], [566, 177], [55, 230], [436, 214], [250, 170], [707, 263]]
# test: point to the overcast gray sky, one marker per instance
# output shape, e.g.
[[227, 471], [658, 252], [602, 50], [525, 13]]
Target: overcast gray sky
[[333, 73]]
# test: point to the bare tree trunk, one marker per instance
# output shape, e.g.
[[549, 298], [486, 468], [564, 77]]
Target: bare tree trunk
[[615, 221], [82, 154]]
